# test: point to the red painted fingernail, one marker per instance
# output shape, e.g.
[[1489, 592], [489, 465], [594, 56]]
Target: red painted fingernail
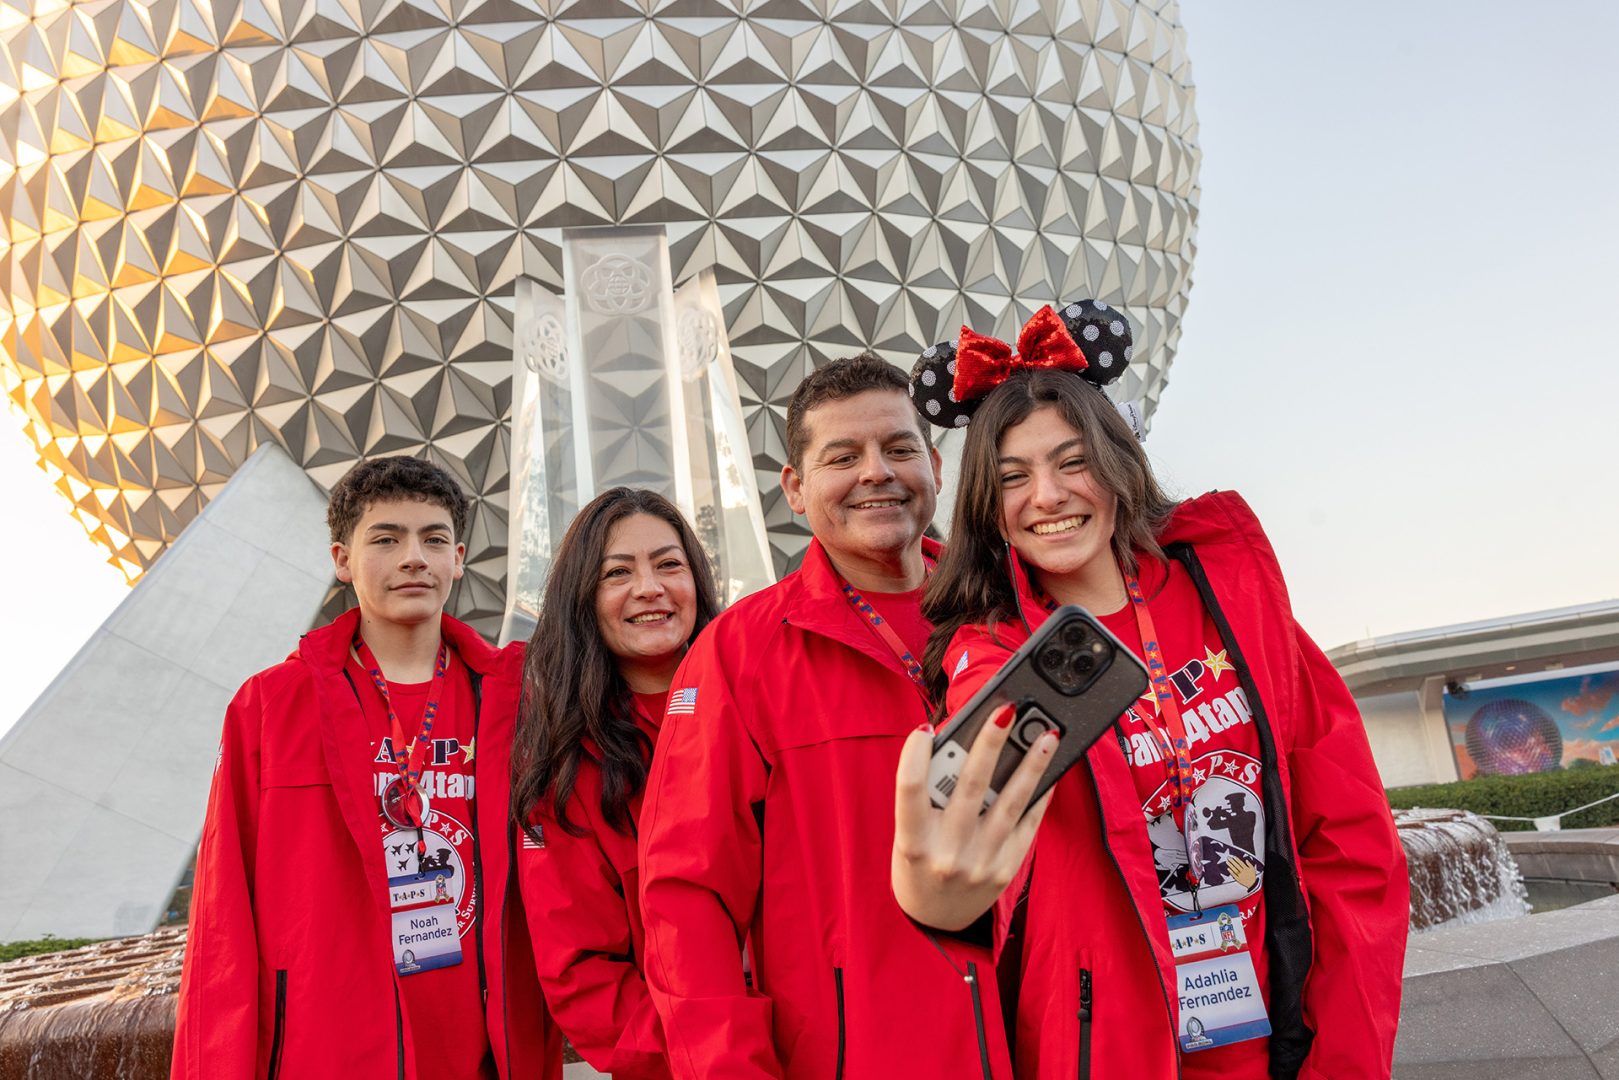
[[925, 727], [1004, 717]]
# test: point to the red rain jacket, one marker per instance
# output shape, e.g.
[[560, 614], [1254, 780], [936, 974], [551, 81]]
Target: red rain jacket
[[1336, 892], [769, 819], [582, 898], [288, 952]]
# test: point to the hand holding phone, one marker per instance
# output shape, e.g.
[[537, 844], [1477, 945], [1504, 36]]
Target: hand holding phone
[[950, 865], [968, 803], [1072, 677]]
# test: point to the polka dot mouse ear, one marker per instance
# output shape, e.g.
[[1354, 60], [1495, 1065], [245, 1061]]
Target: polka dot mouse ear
[[932, 382], [1103, 333]]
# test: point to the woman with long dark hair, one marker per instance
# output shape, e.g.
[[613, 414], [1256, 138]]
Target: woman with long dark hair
[[1217, 889], [628, 591]]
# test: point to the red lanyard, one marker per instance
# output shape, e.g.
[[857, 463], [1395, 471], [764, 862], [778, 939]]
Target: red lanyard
[[886, 634], [1177, 760], [1172, 737], [410, 765]]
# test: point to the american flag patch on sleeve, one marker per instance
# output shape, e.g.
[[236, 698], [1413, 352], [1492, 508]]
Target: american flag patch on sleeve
[[531, 844], [682, 702]]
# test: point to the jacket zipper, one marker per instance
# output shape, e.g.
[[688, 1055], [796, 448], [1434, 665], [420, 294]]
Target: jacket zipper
[[1084, 1024], [1169, 1012], [505, 995], [837, 981], [1085, 975], [399, 1031], [978, 1020], [279, 1032], [481, 900], [1290, 1035]]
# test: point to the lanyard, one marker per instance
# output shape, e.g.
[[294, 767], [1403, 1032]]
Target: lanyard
[[1172, 736], [1178, 759], [410, 765], [886, 634]]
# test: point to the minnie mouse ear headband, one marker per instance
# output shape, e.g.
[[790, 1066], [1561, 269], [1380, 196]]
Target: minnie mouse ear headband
[[1086, 337]]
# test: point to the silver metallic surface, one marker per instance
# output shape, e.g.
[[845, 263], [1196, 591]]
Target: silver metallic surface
[[656, 406], [232, 221]]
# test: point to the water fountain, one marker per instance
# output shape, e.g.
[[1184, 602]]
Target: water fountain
[[101, 1012], [1461, 871]]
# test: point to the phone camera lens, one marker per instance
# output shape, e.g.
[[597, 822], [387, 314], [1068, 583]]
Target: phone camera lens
[[1052, 661], [1084, 664], [1074, 636]]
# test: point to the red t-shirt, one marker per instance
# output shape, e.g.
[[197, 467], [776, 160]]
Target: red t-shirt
[[1224, 828], [903, 612], [653, 705], [446, 1011]]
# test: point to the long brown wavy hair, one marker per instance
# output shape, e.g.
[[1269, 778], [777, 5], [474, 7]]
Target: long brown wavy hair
[[572, 688], [971, 585]]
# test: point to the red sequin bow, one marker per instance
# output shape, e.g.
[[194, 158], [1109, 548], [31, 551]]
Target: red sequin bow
[[983, 363]]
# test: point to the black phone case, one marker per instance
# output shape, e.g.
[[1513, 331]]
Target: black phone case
[[1084, 717]]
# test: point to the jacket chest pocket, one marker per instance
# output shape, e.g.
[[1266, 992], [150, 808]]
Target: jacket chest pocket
[[821, 722], [295, 774], [305, 854]]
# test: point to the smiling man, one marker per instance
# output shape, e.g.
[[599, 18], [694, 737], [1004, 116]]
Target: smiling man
[[351, 900], [775, 945]]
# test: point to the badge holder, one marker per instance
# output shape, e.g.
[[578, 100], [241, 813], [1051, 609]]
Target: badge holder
[[422, 910], [1220, 1002]]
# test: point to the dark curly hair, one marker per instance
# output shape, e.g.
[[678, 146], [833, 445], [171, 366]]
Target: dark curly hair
[[838, 380], [387, 479]]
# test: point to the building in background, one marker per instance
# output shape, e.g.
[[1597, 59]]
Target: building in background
[[1500, 697], [231, 222], [228, 225]]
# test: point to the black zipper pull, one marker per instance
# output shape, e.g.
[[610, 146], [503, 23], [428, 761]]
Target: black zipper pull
[[1084, 994]]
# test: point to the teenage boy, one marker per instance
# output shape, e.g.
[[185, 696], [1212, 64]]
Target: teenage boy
[[353, 914], [769, 812]]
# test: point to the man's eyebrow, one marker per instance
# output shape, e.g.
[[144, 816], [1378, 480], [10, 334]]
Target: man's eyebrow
[[855, 444]]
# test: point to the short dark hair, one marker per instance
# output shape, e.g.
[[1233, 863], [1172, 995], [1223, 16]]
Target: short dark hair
[[387, 479], [838, 380]]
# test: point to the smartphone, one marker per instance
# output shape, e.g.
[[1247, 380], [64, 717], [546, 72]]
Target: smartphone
[[1072, 677]]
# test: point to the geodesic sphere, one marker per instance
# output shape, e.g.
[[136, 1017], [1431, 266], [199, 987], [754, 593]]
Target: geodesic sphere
[[1512, 737], [232, 221]]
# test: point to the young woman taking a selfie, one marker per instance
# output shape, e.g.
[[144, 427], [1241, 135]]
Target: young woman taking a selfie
[[1216, 889]]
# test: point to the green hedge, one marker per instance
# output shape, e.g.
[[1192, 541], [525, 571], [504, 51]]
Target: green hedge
[[1535, 795], [14, 950]]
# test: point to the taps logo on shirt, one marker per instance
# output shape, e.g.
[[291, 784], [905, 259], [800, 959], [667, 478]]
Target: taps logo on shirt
[[1218, 854], [1215, 855], [442, 876]]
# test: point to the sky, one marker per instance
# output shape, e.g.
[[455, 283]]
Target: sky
[[1408, 243], [1397, 343]]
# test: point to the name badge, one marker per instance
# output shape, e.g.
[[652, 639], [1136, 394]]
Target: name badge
[[1215, 980], [425, 936]]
